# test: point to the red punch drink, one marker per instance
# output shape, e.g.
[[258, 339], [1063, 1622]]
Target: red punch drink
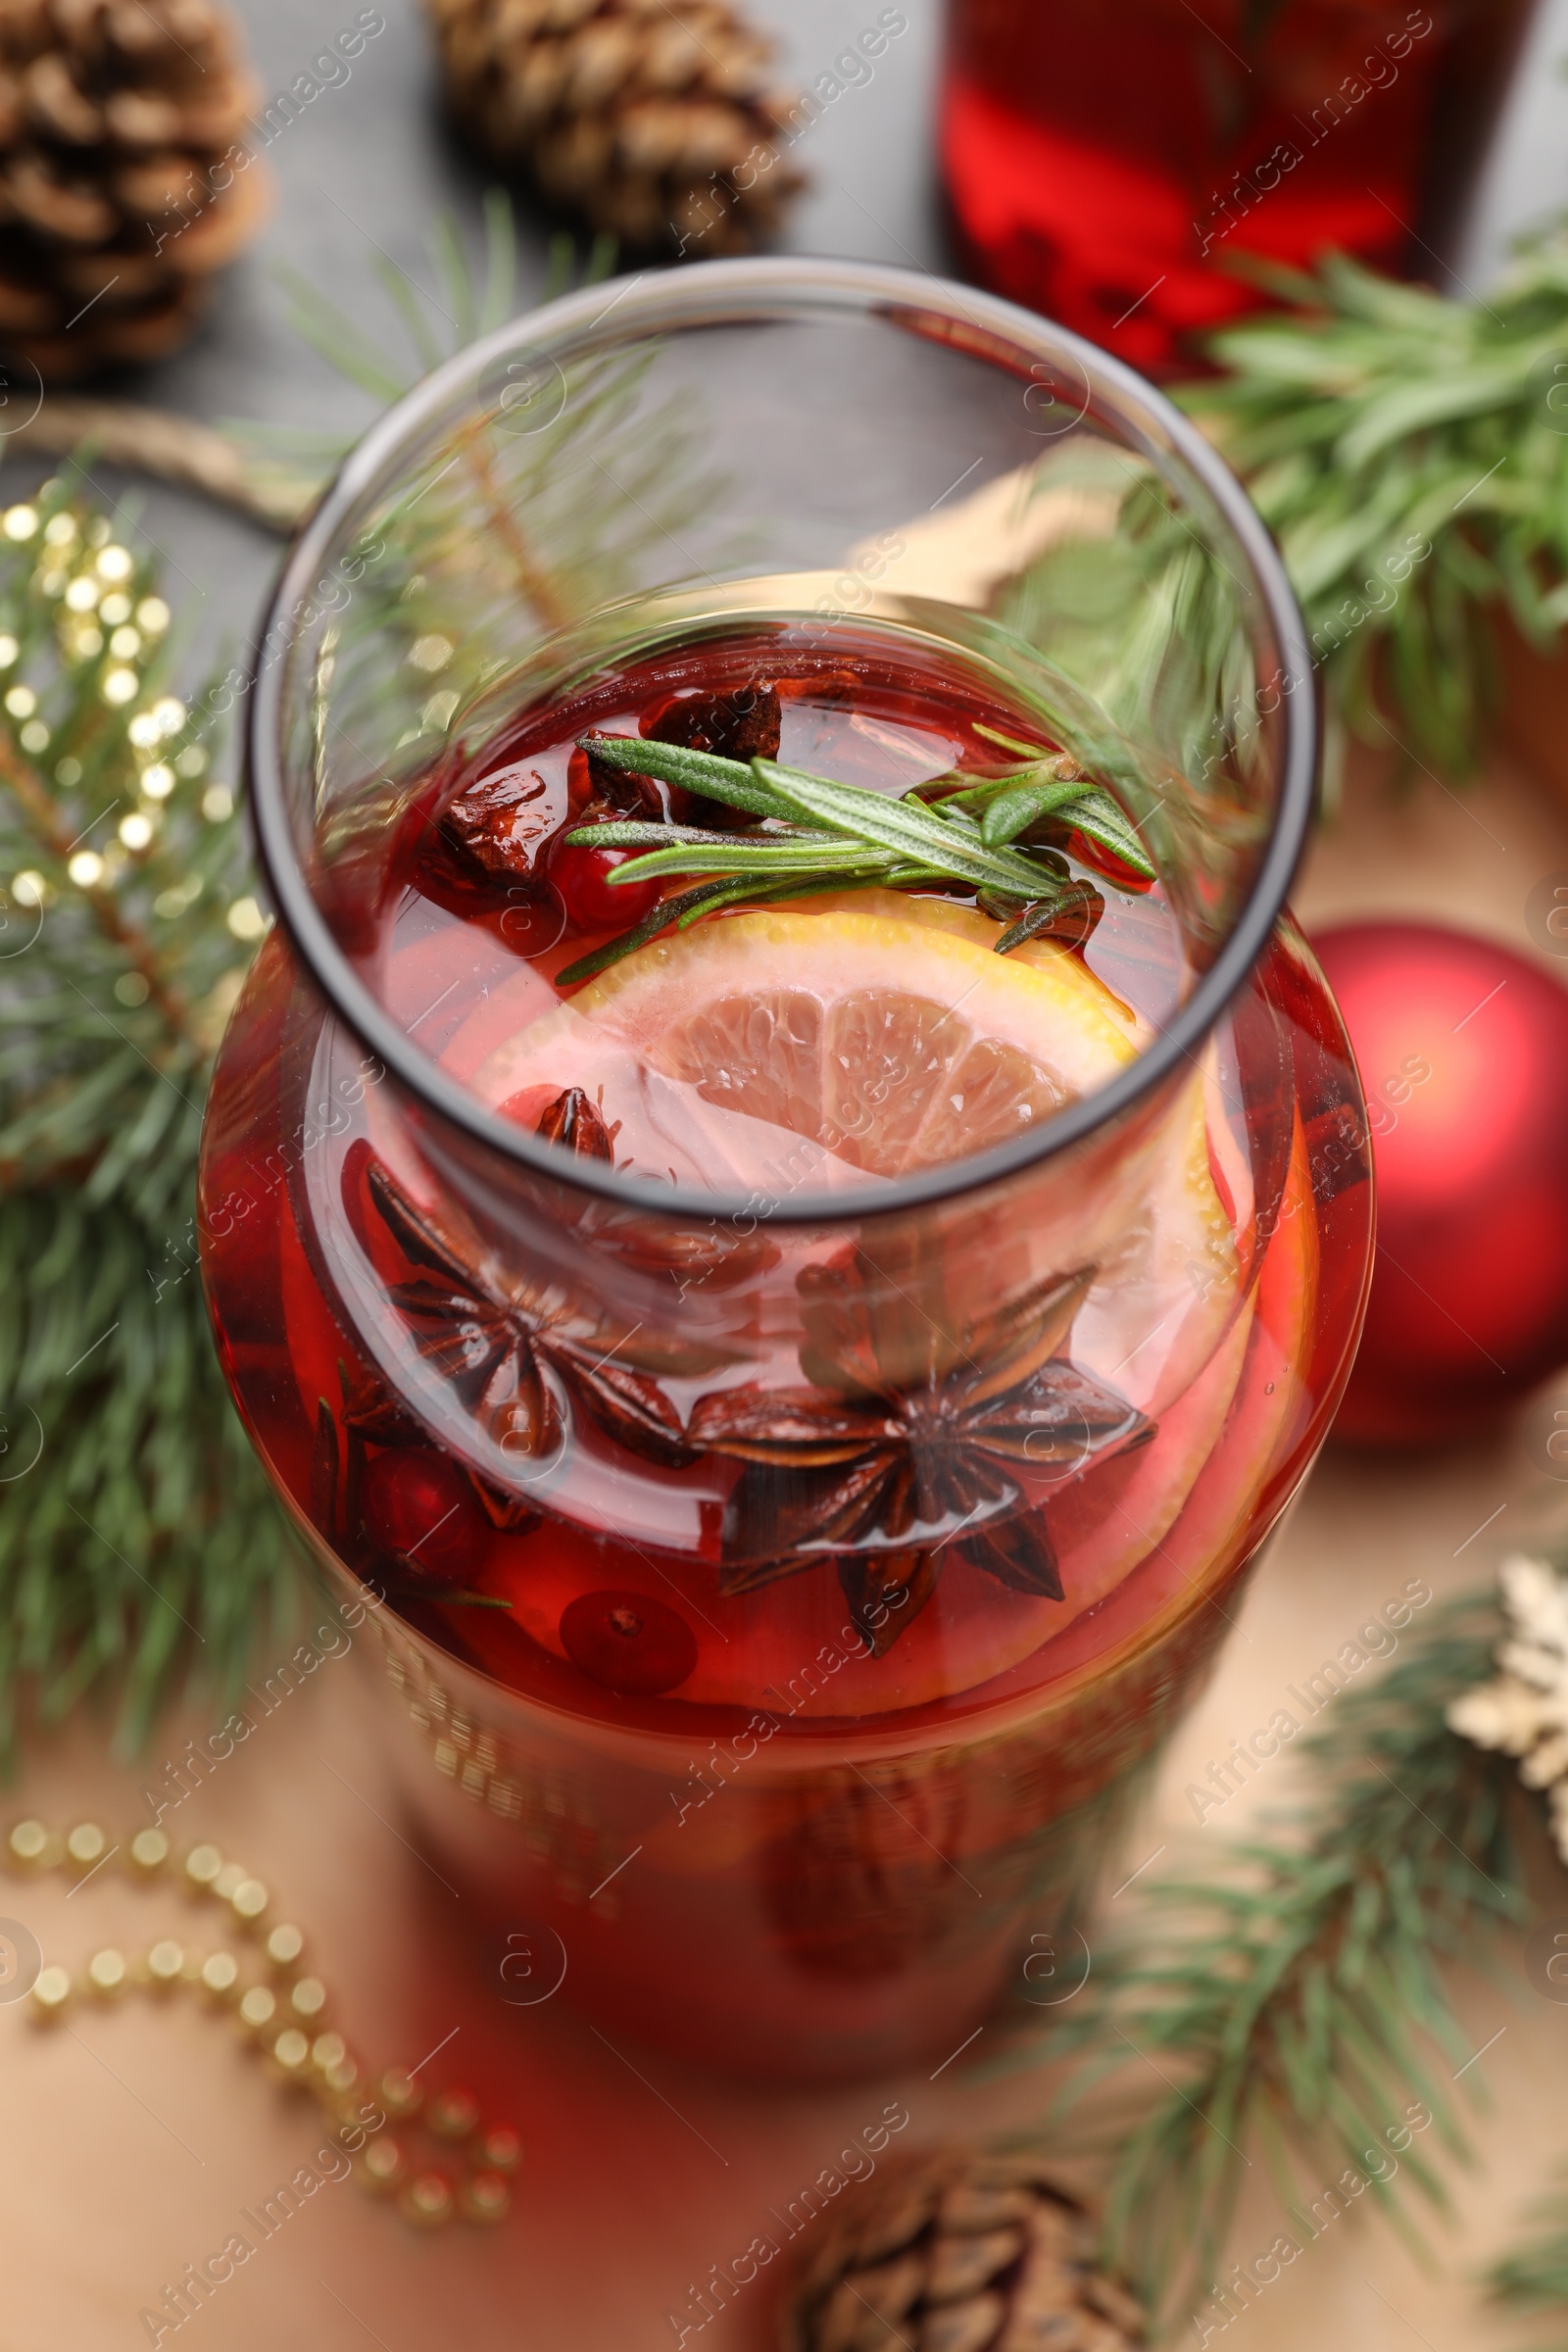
[[1103, 164], [735, 1267]]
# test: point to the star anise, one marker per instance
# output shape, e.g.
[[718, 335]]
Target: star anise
[[901, 1454], [718, 1257], [495, 1347]]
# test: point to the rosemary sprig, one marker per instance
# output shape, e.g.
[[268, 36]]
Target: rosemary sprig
[[949, 845], [681, 913], [834, 835], [690, 850], [707, 772], [1053, 781], [1069, 918], [1411, 455]]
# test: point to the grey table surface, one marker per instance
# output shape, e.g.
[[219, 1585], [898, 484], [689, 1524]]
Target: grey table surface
[[364, 172], [362, 176]]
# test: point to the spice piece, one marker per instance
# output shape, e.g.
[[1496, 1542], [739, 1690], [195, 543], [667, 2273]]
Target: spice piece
[[743, 723], [490, 1344], [502, 823], [575, 1123], [921, 1463]]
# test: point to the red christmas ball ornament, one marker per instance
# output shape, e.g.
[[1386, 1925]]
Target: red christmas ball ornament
[[1463, 1053], [421, 1506]]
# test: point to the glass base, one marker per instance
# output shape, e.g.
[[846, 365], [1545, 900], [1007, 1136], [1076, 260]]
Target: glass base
[[821, 1917]]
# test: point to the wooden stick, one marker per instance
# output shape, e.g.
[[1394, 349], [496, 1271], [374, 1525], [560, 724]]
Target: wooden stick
[[171, 448]]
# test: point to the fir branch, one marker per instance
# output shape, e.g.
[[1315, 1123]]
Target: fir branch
[[137, 1536], [450, 584], [1143, 625], [170, 448], [53, 835], [144, 1536], [1295, 1999], [1407, 449], [1411, 453], [1533, 2278], [533, 578]]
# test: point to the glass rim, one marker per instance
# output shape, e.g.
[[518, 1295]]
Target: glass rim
[[730, 292]]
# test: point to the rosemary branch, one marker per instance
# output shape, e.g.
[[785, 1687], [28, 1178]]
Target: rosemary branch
[[1051, 782], [1408, 451], [817, 832]]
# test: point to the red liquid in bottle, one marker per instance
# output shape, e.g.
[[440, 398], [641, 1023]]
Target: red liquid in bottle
[[1103, 164], [865, 1711]]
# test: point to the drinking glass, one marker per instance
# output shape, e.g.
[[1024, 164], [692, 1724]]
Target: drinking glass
[[788, 1783]]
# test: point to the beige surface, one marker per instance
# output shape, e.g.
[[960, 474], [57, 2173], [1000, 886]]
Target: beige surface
[[128, 2143]]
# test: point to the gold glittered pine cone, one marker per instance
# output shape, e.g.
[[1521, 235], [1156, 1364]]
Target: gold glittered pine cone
[[654, 119], [124, 176], [960, 2251]]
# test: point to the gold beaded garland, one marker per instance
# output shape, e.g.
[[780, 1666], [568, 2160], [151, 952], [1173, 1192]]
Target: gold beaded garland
[[292, 2050], [428, 2200], [203, 1867], [256, 2007], [398, 2092], [106, 1970], [51, 1990], [501, 2150], [453, 2115], [285, 2025], [383, 2164], [486, 2197], [219, 1973], [29, 1842]]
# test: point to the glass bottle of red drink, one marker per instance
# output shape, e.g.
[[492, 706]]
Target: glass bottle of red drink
[[794, 1404], [1105, 165]]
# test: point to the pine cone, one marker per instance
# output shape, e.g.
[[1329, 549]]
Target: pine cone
[[124, 182], [961, 2252], [652, 118]]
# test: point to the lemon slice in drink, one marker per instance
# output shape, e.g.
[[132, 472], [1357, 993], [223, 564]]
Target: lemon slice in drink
[[886, 1042]]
